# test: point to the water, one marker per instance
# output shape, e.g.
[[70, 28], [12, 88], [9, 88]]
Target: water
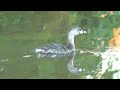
[[14, 65], [18, 60], [22, 32]]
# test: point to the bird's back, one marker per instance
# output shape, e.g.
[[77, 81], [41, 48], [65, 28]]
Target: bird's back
[[52, 48]]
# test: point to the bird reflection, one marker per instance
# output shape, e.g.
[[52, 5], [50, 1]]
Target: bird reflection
[[70, 64], [110, 62]]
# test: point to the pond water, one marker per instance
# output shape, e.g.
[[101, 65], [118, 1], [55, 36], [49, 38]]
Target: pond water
[[19, 61], [14, 64]]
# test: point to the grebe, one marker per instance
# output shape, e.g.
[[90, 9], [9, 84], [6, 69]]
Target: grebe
[[54, 48]]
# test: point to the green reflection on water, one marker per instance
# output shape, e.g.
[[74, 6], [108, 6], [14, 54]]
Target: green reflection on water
[[22, 32]]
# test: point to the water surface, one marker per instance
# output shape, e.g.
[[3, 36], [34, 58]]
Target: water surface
[[22, 32]]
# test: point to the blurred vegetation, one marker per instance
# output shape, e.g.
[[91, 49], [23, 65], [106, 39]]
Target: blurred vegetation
[[99, 25], [45, 25]]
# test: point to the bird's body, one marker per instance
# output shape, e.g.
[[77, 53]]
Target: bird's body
[[54, 48]]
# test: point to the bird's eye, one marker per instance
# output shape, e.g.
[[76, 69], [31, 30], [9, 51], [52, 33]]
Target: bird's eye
[[79, 29]]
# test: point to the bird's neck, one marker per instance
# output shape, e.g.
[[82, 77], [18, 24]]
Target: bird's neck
[[70, 43]]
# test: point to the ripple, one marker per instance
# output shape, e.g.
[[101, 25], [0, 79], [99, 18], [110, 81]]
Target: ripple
[[4, 60]]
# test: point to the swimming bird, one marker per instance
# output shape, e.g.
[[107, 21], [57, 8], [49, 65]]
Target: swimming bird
[[55, 48]]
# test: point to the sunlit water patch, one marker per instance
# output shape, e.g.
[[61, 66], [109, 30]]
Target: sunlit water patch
[[110, 61]]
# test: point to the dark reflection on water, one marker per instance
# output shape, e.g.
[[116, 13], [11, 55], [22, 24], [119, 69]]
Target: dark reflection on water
[[71, 69], [70, 60], [71, 66]]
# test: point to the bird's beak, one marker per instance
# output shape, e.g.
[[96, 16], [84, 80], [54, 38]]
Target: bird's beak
[[84, 32]]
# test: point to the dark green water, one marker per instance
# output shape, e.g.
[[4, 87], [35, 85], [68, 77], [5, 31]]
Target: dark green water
[[14, 65], [22, 32]]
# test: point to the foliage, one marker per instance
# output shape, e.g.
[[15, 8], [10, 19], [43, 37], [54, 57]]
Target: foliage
[[32, 24], [99, 25]]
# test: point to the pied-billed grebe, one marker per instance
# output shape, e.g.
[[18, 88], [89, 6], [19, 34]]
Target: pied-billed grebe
[[54, 48]]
